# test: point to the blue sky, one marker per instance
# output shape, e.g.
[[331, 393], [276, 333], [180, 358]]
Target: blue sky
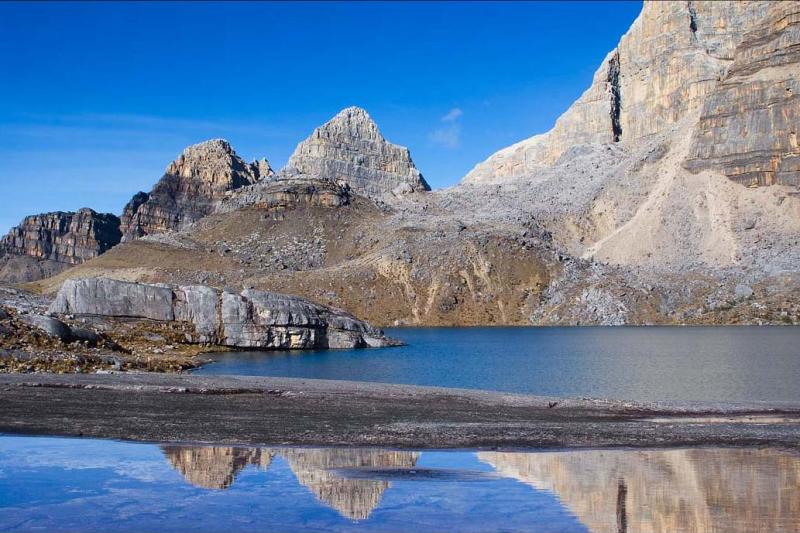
[[97, 98]]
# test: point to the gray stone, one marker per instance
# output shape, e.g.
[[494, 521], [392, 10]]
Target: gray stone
[[50, 326], [84, 335], [743, 291], [350, 149], [250, 319], [107, 297]]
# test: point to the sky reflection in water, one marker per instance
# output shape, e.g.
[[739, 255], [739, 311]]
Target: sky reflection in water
[[55, 484]]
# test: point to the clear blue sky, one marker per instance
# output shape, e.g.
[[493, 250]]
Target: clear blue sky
[[97, 98]]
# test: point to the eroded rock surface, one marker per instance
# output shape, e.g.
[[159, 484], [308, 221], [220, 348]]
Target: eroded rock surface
[[664, 68], [250, 319], [350, 149], [750, 120], [190, 189], [48, 243]]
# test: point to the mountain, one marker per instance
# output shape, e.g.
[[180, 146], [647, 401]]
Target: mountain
[[45, 244], [680, 58], [190, 189], [666, 194], [350, 149]]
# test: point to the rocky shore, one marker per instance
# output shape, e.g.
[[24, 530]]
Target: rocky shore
[[284, 411], [100, 324]]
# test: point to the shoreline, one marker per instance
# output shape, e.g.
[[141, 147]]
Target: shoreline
[[248, 411]]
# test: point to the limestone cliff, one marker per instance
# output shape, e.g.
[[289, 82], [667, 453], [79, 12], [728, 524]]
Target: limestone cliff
[[750, 120], [664, 67], [350, 149], [69, 238], [190, 189], [250, 319]]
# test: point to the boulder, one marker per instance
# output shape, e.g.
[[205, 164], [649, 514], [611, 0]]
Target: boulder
[[249, 319], [50, 326]]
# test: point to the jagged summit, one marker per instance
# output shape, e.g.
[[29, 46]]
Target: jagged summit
[[350, 148], [190, 188], [727, 61]]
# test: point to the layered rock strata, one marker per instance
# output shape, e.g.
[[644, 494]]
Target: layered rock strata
[[250, 319], [69, 238], [190, 189], [750, 121], [350, 149], [665, 67], [285, 193]]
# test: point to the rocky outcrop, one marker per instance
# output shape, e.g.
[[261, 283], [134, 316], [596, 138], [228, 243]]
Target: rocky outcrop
[[250, 319], [350, 149], [750, 121], [664, 67], [286, 193], [214, 467], [190, 189], [68, 238]]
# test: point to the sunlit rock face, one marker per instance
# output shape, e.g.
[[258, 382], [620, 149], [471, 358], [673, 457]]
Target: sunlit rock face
[[214, 467], [671, 491], [750, 121], [664, 68], [353, 498], [69, 238], [350, 149], [191, 188]]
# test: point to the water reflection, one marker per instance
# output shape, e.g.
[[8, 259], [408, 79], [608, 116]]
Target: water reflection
[[652, 491], [698, 490], [322, 470], [214, 467], [53, 484]]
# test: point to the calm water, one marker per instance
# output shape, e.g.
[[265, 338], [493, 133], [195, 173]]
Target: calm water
[[653, 363], [54, 484]]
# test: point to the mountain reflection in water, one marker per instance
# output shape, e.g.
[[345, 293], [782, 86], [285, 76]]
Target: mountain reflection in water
[[66, 485], [699, 490], [216, 468], [651, 491]]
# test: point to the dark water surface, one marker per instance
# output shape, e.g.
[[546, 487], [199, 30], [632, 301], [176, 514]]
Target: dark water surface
[[56, 484], [727, 364]]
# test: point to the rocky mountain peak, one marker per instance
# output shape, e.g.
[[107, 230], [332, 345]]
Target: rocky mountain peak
[[353, 122], [350, 148], [191, 187], [63, 237]]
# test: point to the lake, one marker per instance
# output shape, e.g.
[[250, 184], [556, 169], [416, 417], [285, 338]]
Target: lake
[[716, 364], [59, 484]]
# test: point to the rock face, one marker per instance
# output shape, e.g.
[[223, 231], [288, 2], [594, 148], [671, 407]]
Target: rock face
[[350, 149], [190, 189], [69, 238], [287, 192], [665, 67], [750, 120], [250, 319]]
